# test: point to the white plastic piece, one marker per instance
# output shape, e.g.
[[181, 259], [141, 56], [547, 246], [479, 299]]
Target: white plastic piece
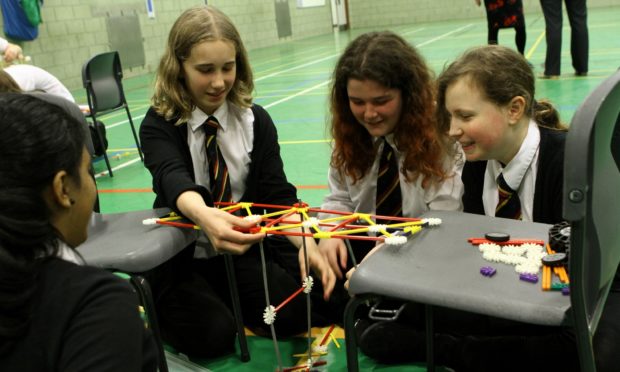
[[432, 221], [489, 247], [377, 227], [310, 222], [513, 250], [527, 269], [396, 240], [319, 349], [308, 283], [254, 218], [269, 315], [150, 221]]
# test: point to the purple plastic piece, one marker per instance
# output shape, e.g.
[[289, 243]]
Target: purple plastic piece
[[566, 291], [532, 278], [487, 271]]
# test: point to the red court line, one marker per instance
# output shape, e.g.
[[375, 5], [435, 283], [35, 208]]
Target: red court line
[[119, 191]]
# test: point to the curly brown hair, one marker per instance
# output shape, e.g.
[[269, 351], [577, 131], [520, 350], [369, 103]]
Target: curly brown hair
[[389, 60], [195, 25]]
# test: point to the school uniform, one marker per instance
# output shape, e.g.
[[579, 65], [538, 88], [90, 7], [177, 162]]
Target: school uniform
[[193, 301], [542, 202], [542, 198], [348, 196], [82, 319]]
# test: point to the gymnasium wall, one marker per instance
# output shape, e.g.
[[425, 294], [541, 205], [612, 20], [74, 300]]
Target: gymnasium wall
[[74, 30], [383, 13]]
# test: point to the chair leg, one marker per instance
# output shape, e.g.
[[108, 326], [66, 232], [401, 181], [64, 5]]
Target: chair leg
[[430, 338], [105, 152], [234, 294], [349, 331], [146, 298], [133, 130]]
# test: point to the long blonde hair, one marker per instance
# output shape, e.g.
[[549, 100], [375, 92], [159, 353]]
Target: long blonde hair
[[196, 25]]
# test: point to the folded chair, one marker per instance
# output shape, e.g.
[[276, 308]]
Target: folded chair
[[592, 206], [102, 77]]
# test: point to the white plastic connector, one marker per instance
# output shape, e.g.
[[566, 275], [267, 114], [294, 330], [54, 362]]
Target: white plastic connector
[[377, 227], [254, 218], [150, 221], [396, 240], [308, 283], [432, 221], [269, 315], [310, 222]]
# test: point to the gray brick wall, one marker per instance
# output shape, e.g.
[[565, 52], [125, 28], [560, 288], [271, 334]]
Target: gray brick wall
[[383, 13], [74, 30]]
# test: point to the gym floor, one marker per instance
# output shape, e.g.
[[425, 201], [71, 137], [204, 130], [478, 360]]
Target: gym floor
[[292, 83]]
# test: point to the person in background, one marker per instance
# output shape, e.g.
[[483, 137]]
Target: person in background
[[35, 79], [10, 52], [577, 11], [204, 141], [505, 14], [57, 313]]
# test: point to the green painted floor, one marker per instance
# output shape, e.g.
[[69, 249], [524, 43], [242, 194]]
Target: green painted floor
[[292, 81]]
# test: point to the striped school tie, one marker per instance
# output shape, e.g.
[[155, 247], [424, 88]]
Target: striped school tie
[[218, 172], [508, 205], [389, 197]]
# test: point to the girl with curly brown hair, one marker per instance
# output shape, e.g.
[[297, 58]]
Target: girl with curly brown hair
[[382, 101]]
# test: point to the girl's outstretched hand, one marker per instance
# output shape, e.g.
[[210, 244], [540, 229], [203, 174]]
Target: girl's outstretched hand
[[319, 265], [335, 252]]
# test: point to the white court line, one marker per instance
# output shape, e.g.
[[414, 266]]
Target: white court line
[[120, 166], [412, 31], [444, 35], [293, 95], [296, 94], [297, 67], [124, 121]]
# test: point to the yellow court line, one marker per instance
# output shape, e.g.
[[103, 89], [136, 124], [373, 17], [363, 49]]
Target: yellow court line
[[529, 53]]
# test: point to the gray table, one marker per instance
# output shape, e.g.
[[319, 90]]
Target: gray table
[[439, 267], [120, 241]]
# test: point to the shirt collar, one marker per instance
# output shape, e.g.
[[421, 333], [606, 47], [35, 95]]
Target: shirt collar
[[198, 117], [67, 254], [388, 138], [518, 166]]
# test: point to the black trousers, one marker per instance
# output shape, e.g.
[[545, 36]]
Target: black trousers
[[578, 18], [194, 308], [520, 37]]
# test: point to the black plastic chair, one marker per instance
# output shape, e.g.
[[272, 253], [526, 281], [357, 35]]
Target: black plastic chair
[[102, 77], [591, 204]]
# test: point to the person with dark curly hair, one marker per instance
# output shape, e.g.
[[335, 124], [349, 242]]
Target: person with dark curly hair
[[382, 105]]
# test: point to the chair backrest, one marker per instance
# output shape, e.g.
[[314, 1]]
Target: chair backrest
[[592, 206], [102, 78]]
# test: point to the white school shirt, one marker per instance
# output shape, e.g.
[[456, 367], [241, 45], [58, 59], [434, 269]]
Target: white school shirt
[[235, 139], [361, 197], [519, 173], [67, 254], [34, 79]]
